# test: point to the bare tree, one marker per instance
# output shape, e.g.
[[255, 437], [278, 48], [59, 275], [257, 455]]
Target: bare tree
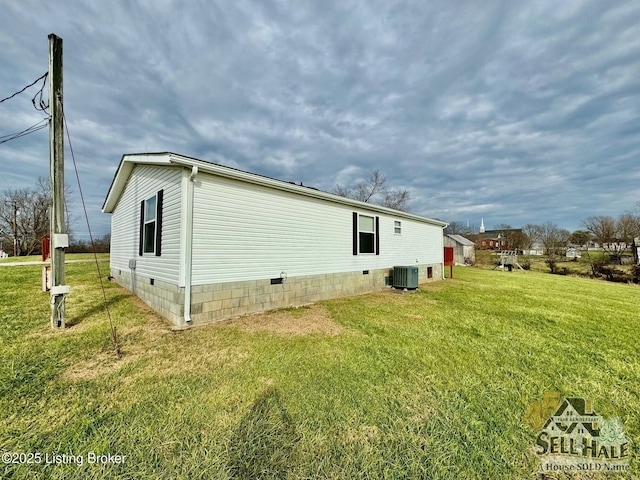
[[580, 238], [373, 190], [25, 213], [396, 199], [605, 231], [614, 234], [518, 240], [532, 233], [24, 217], [342, 191], [371, 187], [553, 238], [628, 226], [455, 228]]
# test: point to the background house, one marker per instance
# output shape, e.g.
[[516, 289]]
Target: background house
[[537, 248], [491, 243], [200, 242], [501, 239], [464, 250]]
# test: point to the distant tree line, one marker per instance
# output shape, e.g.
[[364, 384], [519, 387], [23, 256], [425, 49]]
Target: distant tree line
[[24, 222], [24, 218], [100, 245], [612, 234]]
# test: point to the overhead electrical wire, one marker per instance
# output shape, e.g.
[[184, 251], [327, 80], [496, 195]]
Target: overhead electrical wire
[[32, 129], [41, 106], [30, 85]]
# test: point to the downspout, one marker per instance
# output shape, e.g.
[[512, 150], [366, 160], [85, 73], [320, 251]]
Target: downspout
[[189, 246]]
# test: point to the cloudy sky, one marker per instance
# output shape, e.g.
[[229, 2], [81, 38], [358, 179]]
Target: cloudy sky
[[515, 112]]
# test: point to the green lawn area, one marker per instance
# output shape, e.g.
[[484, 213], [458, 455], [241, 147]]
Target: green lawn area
[[432, 384], [68, 256]]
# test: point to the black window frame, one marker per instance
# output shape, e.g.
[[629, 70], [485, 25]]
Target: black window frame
[[150, 241], [372, 236]]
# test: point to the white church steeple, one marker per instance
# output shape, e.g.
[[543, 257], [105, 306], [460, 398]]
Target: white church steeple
[[482, 225]]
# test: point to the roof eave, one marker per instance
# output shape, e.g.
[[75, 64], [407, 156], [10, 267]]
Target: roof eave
[[128, 162], [123, 172], [247, 177]]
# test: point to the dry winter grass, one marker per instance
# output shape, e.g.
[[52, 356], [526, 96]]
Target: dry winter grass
[[305, 320]]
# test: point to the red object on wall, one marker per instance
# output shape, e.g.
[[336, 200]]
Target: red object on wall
[[448, 255], [46, 248], [448, 259]]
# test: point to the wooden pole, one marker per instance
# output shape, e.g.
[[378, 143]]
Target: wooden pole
[[15, 229], [56, 151]]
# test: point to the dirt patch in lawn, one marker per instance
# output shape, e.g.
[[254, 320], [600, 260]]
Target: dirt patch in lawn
[[305, 320]]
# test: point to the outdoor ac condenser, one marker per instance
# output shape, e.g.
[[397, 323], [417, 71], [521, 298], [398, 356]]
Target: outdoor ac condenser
[[405, 277]]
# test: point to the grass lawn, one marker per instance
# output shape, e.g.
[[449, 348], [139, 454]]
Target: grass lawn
[[426, 385], [68, 256]]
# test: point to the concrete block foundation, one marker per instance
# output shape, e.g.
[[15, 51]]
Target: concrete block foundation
[[219, 301]]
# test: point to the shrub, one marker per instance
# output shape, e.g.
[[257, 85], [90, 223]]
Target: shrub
[[552, 263], [636, 274]]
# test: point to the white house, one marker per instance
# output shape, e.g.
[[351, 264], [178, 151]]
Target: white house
[[232, 242]]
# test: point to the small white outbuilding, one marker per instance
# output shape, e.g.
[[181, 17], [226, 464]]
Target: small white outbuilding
[[464, 250], [232, 242]]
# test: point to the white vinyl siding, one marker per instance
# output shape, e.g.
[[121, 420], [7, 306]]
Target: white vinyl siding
[[144, 183], [244, 231]]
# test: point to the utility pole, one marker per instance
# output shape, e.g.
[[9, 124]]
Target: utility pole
[[59, 239], [15, 229]]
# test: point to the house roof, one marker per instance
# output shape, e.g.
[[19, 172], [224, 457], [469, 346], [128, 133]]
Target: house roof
[[461, 240], [129, 161], [498, 233]]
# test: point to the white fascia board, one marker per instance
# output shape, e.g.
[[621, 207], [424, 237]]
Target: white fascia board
[[124, 172]]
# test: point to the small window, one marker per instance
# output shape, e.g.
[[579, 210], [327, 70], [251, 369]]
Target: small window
[[397, 226], [429, 272], [366, 234], [149, 241]]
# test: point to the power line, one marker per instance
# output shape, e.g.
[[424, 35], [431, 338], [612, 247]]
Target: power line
[[41, 107], [114, 335], [31, 85], [32, 129]]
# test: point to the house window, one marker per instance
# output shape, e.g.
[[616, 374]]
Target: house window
[[397, 226], [429, 272], [366, 234], [366, 237], [151, 225]]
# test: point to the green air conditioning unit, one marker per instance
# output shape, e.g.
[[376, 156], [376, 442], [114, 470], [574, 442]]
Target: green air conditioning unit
[[405, 277]]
